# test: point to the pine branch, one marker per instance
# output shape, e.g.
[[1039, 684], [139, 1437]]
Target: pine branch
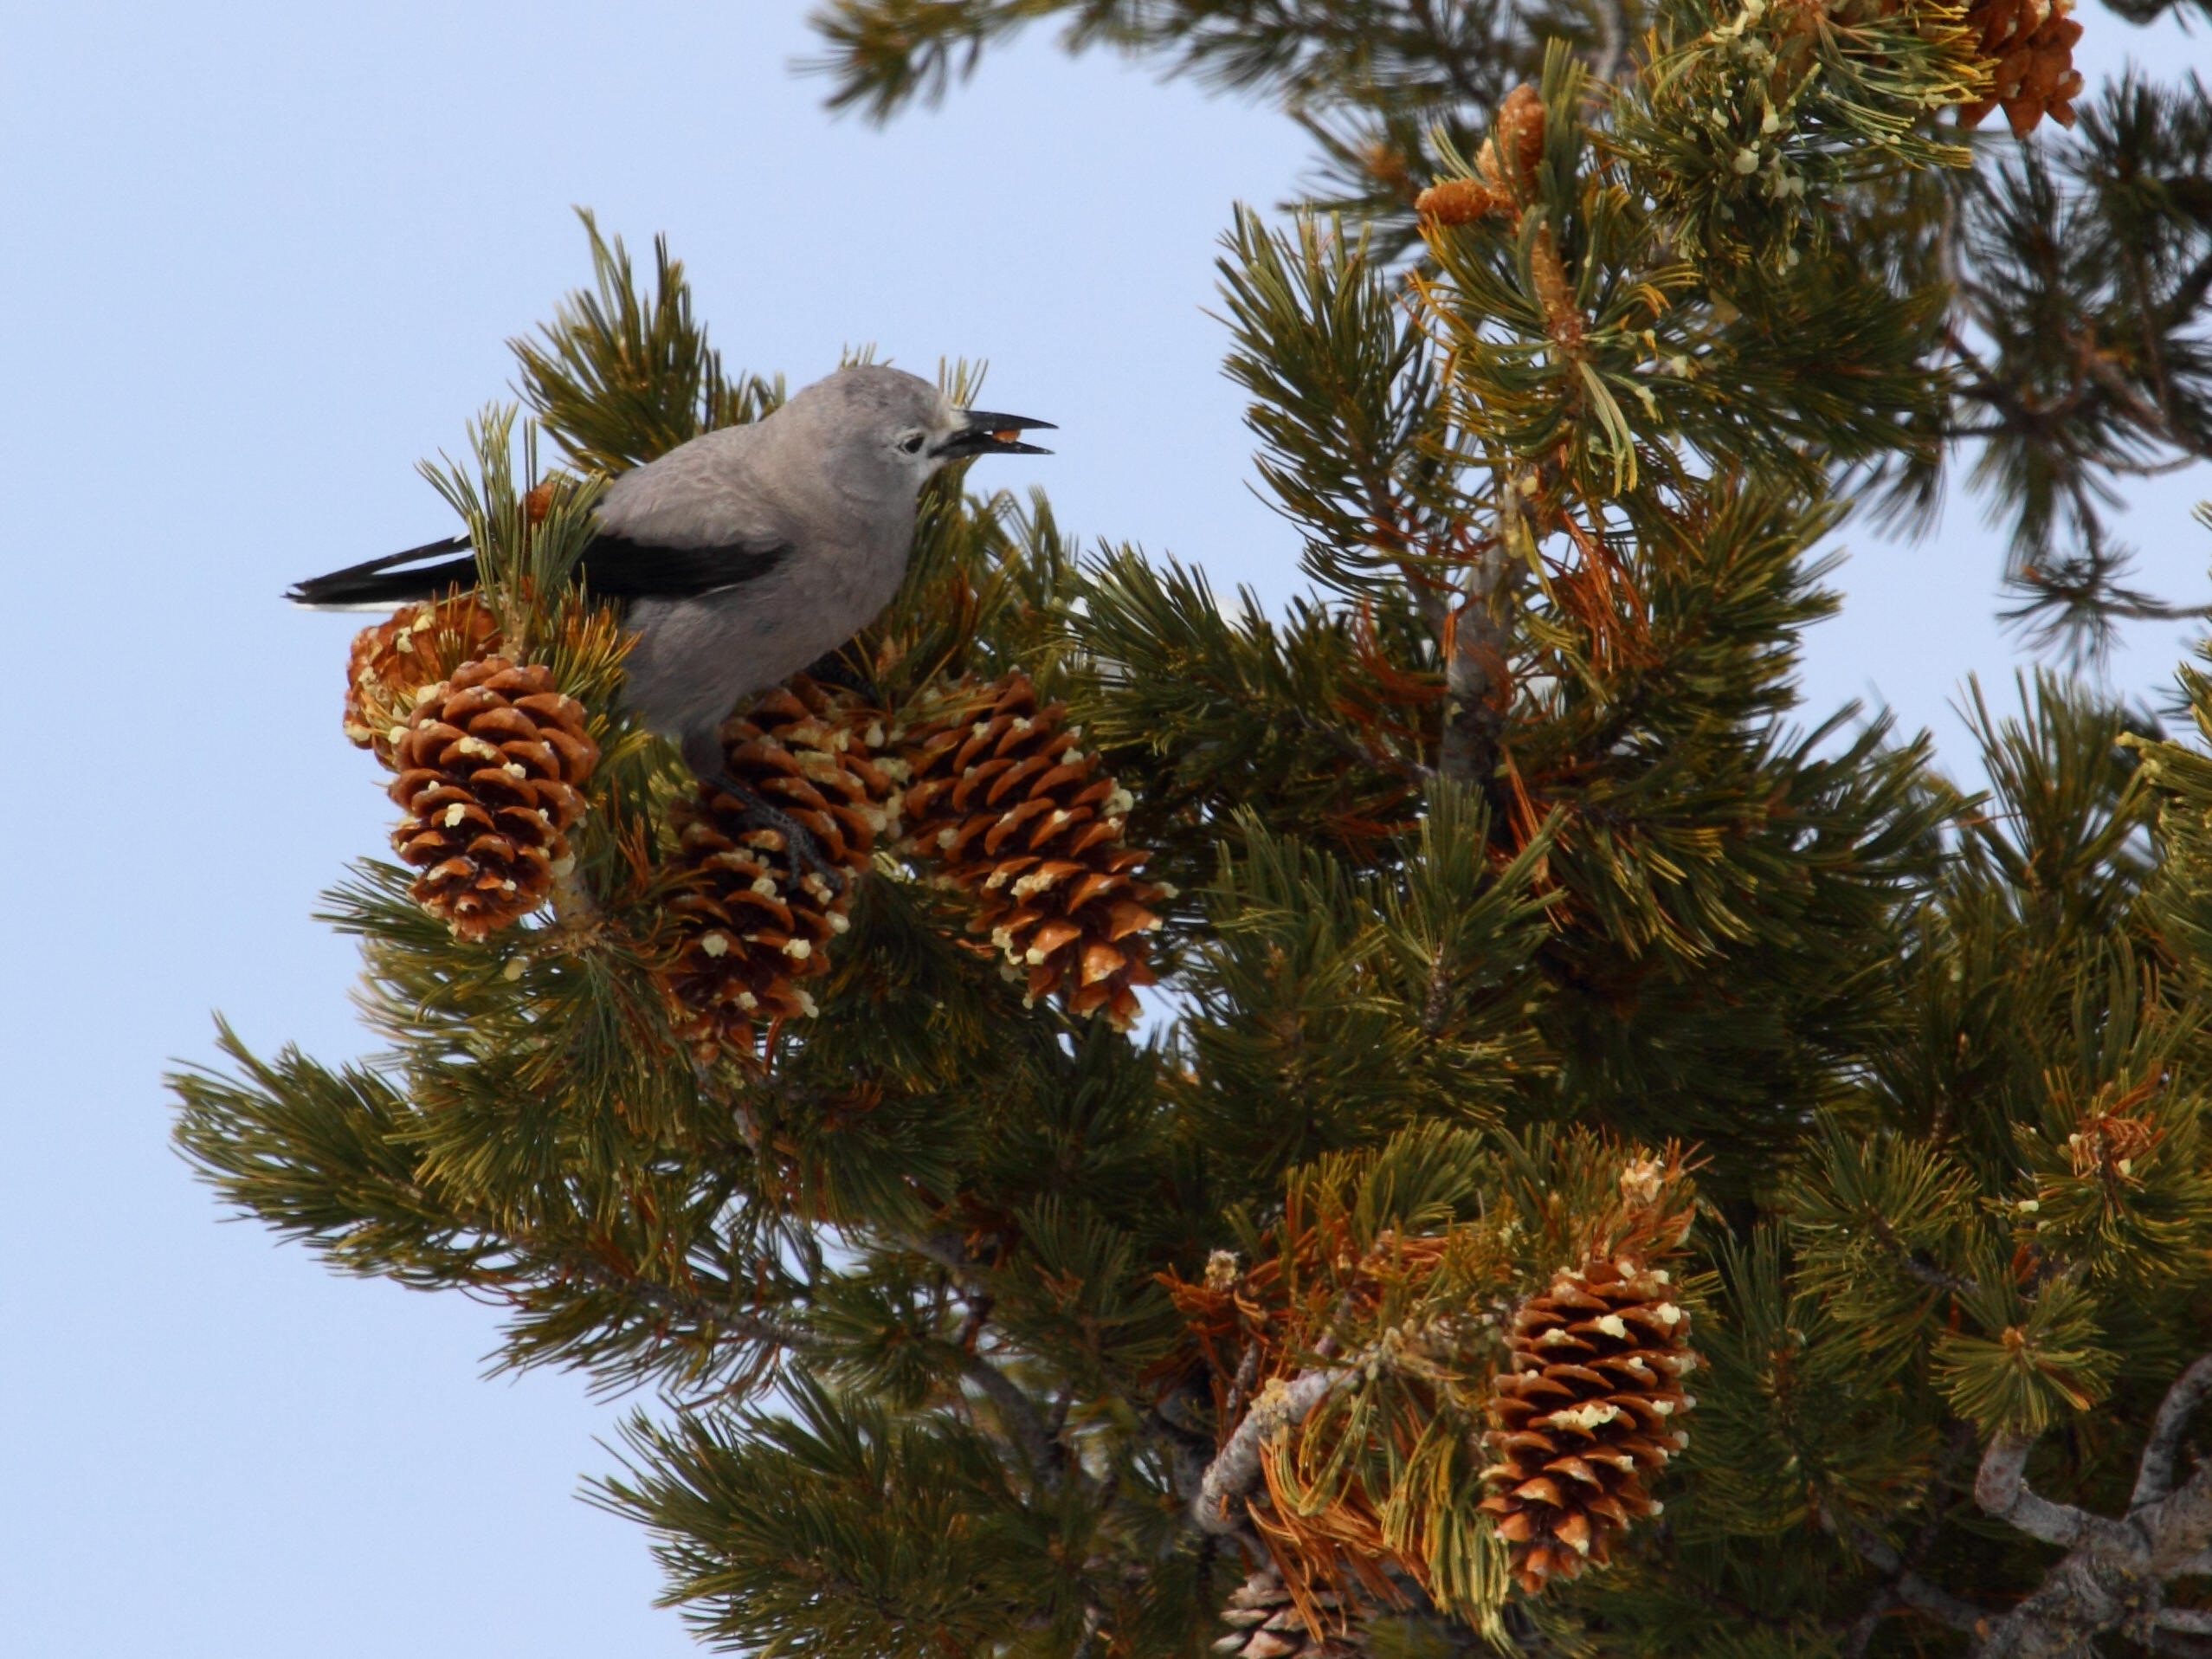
[[1910, 1589], [1479, 640], [2111, 1567], [1236, 1468], [1917, 1266], [702, 1310], [2156, 1477], [1019, 1414], [1904, 1584]]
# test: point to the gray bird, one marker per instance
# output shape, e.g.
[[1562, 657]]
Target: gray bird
[[745, 555]]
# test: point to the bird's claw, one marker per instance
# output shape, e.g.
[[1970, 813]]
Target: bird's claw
[[798, 840]]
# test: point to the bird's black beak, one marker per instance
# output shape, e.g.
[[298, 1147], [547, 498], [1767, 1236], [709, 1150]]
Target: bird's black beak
[[986, 433]]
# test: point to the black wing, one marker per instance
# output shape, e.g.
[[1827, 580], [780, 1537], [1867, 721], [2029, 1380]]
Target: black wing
[[614, 567]]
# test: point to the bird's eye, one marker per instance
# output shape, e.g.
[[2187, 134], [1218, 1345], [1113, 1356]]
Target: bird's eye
[[912, 443]]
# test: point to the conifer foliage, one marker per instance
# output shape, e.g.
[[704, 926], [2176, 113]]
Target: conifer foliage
[[1611, 1169]]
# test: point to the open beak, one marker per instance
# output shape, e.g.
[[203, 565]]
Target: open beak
[[986, 433]]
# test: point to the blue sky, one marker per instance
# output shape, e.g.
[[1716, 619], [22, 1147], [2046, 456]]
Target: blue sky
[[266, 257]]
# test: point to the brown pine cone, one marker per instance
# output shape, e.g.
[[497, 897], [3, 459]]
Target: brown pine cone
[[394, 661], [1584, 1408], [489, 764], [1461, 201], [1265, 1623], [753, 923], [1519, 145], [1029, 824], [2031, 43], [1505, 165]]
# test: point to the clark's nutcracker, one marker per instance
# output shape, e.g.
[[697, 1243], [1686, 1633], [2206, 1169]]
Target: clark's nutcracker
[[746, 554]]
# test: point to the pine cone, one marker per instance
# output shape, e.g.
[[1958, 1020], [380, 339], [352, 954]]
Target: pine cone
[[394, 661], [489, 764], [1519, 143], [1505, 165], [1031, 825], [751, 922], [1386, 166], [1461, 201], [2031, 43], [1582, 1411], [1265, 1623]]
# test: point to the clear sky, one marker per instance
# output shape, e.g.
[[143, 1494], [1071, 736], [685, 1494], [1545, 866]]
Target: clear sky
[[266, 257]]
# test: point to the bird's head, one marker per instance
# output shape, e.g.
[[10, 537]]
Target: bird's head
[[893, 430]]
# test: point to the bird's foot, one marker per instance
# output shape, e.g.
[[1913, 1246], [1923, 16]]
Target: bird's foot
[[798, 841]]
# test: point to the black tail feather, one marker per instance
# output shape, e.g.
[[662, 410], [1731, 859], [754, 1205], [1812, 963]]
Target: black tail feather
[[377, 581]]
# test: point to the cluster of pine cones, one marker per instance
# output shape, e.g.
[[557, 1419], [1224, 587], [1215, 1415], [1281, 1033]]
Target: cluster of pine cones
[[986, 790], [1505, 166]]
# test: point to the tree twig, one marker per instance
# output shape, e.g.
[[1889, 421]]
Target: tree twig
[[1019, 1413], [2155, 1474], [1236, 1468], [1903, 1583], [2001, 1487], [1915, 1592], [2114, 1574]]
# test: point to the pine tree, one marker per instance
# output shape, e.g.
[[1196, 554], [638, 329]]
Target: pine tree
[[1615, 1171]]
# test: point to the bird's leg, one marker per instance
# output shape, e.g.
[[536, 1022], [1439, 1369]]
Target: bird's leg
[[798, 840], [703, 753]]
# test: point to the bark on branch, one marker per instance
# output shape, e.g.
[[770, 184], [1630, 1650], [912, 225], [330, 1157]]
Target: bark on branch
[[2154, 1475], [1476, 641], [2114, 1573], [1236, 1468], [1019, 1413]]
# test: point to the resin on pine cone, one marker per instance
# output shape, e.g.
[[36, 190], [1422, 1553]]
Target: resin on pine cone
[[1264, 1623], [1584, 1411], [753, 922], [489, 766], [1030, 825], [394, 663]]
